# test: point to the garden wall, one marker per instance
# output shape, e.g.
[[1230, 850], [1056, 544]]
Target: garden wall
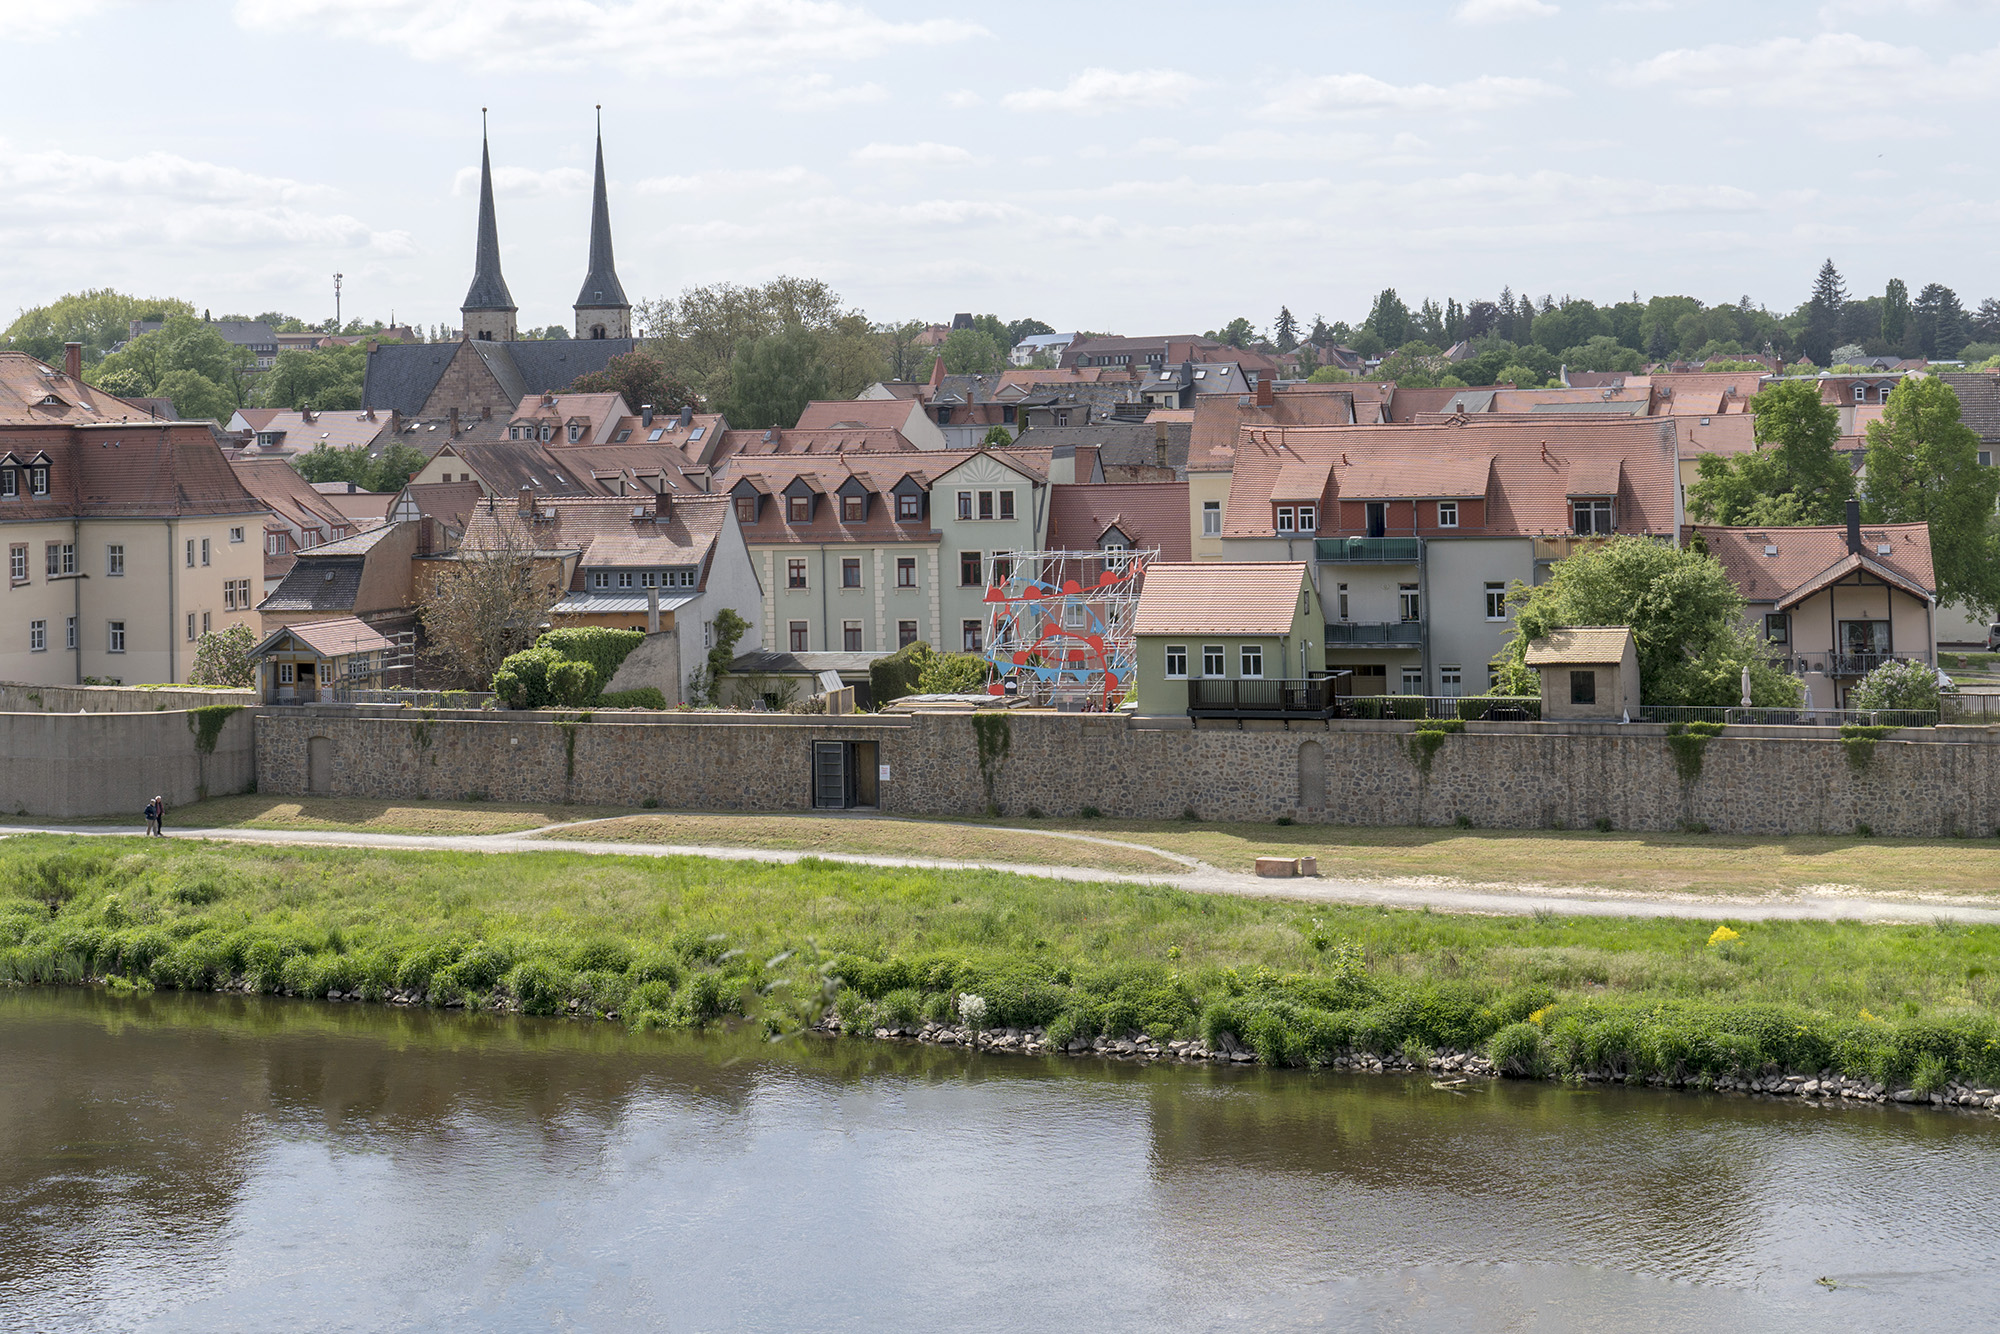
[[70, 765], [1921, 783]]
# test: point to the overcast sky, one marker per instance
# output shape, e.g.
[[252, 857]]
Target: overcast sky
[[1131, 168]]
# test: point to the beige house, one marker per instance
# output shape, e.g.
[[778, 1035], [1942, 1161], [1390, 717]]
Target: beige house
[[1230, 639], [1589, 672], [127, 537]]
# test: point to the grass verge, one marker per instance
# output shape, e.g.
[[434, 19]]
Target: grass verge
[[889, 838], [355, 814], [684, 941]]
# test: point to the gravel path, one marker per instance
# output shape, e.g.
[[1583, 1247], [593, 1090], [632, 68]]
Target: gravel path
[[1200, 878]]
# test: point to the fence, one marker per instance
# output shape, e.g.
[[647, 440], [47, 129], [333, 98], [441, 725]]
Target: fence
[[416, 699], [1223, 696], [1694, 713], [1973, 709], [1340, 634], [1443, 708]]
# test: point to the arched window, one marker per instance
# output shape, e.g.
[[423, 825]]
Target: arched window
[[597, 331]]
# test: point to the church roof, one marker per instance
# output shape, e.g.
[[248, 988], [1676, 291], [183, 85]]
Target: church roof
[[489, 289], [600, 286]]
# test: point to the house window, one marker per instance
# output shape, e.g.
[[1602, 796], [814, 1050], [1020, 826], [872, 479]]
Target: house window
[[799, 632], [1451, 682], [1176, 662], [236, 534], [38, 481], [906, 572], [114, 637], [17, 562], [973, 635], [10, 482], [69, 632], [1447, 514], [909, 506], [1378, 518], [287, 673], [1985, 458], [985, 504], [204, 551], [970, 568], [191, 627], [1213, 662], [205, 622], [1308, 518], [746, 509], [1413, 681], [575, 434], [1006, 504], [190, 553], [1496, 601], [851, 508], [650, 579], [61, 559], [678, 579], [1340, 599], [1211, 518], [1115, 555], [906, 633], [1778, 628], [600, 579], [1583, 687], [1252, 662], [624, 578], [1860, 393], [798, 508], [795, 574], [1003, 569], [965, 504], [1410, 601], [850, 636], [1593, 516], [38, 636], [1285, 516], [850, 572]]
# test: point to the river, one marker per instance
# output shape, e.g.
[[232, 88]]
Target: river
[[175, 1162]]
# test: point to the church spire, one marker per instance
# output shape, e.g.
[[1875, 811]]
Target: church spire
[[601, 308], [489, 307]]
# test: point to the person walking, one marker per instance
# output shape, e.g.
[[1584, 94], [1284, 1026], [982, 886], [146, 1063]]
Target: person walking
[[156, 811]]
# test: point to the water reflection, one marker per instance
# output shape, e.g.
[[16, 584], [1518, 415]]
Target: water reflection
[[181, 1162]]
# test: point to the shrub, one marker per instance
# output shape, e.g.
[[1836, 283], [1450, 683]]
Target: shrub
[[1898, 685], [611, 956], [892, 677], [644, 697], [1517, 1050], [901, 1007], [419, 966], [539, 986], [599, 647], [703, 999], [952, 674], [572, 684]]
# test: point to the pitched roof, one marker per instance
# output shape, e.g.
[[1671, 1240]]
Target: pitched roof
[[1119, 444], [601, 287], [1438, 477], [334, 638], [488, 290], [319, 581], [1735, 433], [1676, 386], [1978, 400], [877, 414], [1220, 598], [603, 531], [335, 430], [508, 466], [1773, 564], [403, 376], [278, 488], [1149, 514], [27, 384], [1581, 644], [450, 503]]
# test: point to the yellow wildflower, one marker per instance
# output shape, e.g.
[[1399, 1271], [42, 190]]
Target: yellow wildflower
[[1722, 935]]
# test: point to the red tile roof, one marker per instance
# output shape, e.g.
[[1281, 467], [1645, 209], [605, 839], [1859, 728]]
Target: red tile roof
[[603, 531], [1150, 514], [1220, 598], [1803, 555]]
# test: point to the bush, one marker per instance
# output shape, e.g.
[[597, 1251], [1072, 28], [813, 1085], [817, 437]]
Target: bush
[[1898, 685], [644, 697], [1517, 1050], [1472, 708], [892, 677], [601, 648], [572, 684], [539, 986], [523, 679], [953, 674]]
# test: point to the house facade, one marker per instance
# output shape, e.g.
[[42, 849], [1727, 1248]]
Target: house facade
[[1254, 626]]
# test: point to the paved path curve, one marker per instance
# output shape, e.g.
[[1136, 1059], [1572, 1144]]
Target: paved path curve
[[1201, 878]]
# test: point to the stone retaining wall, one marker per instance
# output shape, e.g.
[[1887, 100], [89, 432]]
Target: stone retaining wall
[[19, 697], [69, 765], [1920, 783]]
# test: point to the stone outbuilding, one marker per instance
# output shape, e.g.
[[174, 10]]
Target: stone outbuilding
[[1588, 672]]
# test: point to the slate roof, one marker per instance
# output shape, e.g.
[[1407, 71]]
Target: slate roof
[[319, 581], [1220, 598], [601, 287], [489, 289], [1978, 401], [1583, 645], [403, 376], [1119, 444], [603, 532], [1803, 555], [1149, 514]]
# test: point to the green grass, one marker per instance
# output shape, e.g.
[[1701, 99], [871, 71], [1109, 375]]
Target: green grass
[[356, 814], [689, 940]]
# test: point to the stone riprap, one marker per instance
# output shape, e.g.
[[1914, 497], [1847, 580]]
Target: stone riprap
[[1919, 783]]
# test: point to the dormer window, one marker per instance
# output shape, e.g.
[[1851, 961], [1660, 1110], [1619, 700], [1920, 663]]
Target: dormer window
[[38, 481], [1447, 514], [575, 434], [1286, 518], [548, 434], [10, 482], [746, 509], [600, 579], [798, 509], [909, 505], [51, 401], [1308, 518], [1592, 516], [1860, 393], [853, 508]]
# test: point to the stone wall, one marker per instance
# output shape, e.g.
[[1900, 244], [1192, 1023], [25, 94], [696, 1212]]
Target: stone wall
[[1923, 783], [20, 697], [71, 765]]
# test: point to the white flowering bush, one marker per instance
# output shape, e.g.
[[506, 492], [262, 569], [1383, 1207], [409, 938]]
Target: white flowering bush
[[971, 1010]]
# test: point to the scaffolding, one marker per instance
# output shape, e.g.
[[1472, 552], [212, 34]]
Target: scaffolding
[[1059, 625]]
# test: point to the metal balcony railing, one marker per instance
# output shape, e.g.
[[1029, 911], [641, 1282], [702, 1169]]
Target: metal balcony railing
[[1780, 717], [1220, 697], [1370, 550], [1844, 664], [1356, 633]]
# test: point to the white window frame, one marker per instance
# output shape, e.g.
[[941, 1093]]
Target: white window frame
[[114, 636], [191, 633], [600, 579], [1447, 514], [1412, 676], [1496, 600], [1250, 662], [10, 482], [288, 673], [1451, 682], [1593, 506], [204, 551], [38, 480], [114, 560], [1308, 518], [38, 636], [1285, 516], [1177, 661], [1211, 518], [1340, 601], [17, 562], [1409, 603], [190, 553], [625, 579], [1214, 660], [69, 632], [236, 534]]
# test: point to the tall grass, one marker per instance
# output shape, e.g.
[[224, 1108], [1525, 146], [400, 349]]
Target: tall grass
[[687, 941]]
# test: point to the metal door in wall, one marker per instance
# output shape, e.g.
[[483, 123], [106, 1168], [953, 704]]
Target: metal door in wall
[[829, 768]]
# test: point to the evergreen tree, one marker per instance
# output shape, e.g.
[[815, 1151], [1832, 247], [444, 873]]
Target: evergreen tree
[[1504, 315], [1895, 311], [1939, 320], [1829, 295], [1286, 330], [1389, 319]]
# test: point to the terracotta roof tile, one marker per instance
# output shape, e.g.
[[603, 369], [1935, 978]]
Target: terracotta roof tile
[[1769, 564], [1150, 514], [1581, 644], [1220, 598]]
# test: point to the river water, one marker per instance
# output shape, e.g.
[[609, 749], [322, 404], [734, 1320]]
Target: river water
[[219, 1163]]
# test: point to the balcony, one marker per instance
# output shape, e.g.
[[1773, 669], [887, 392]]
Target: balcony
[[1370, 550], [1374, 634], [1844, 664], [1218, 697]]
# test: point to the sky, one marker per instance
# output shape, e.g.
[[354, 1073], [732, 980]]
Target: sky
[[1159, 168]]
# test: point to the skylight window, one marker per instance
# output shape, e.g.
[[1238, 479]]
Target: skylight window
[[658, 431]]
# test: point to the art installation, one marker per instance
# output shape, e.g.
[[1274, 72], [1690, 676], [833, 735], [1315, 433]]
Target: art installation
[[1059, 625]]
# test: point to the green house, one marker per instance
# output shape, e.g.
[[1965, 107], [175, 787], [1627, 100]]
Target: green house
[[1230, 639]]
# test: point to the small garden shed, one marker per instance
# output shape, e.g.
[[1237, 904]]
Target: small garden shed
[[1588, 672]]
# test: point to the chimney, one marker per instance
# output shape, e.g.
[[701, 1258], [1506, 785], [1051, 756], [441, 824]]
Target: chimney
[[653, 611], [452, 417], [686, 419], [1264, 393], [486, 413], [73, 360], [1854, 528], [663, 503], [426, 536], [352, 488], [525, 504], [646, 414], [368, 414]]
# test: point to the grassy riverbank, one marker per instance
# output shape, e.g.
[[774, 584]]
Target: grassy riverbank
[[688, 940]]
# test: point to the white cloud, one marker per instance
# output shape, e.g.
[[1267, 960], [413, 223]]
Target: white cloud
[[1837, 10], [926, 154], [1502, 11], [524, 182], [738, 181], [1364, 94], [723, 38], [1097, 90], [36, 21], [818, 92], [963, 98], [1837, 69]]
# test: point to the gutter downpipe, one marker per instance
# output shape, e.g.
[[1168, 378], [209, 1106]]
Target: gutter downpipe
[[76, 650], [825, 608], [173, 537]]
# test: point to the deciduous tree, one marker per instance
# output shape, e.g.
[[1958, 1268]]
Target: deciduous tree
[[1793, 477], [642, 379], [1923, 467], [485, 604], [773, 377], [99, 319]]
